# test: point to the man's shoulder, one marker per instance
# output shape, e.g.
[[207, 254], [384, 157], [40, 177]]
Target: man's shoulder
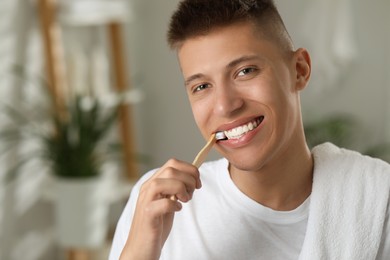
[[349, 202], [331, 160], [331, 154]]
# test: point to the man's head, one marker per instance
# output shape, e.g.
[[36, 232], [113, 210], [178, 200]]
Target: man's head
[[242, 77], [199, 17]]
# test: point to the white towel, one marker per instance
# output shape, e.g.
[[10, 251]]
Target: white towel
[[348, 205]]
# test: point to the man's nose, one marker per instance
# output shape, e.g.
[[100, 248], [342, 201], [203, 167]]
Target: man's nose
[[227, 101]]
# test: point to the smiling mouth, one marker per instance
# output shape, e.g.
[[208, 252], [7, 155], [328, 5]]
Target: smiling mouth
[[238, 132]]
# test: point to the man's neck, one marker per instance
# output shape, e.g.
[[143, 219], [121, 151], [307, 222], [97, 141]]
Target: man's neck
[[280, 186]]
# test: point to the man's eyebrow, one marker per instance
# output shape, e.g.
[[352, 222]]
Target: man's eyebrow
[[192, 78], [235, 62]]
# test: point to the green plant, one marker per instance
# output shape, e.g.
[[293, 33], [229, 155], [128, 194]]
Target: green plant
[[338, 129], [73, 147], [72, 144]]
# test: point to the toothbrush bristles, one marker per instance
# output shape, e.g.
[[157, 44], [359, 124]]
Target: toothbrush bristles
[[220, 136]]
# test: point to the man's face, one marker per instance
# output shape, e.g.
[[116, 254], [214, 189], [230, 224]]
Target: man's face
[[246, 86]]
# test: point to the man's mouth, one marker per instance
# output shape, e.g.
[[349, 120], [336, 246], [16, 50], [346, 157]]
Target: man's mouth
[[237, 132]]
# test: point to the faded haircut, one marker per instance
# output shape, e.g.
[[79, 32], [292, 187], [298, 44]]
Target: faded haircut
[[198, 17]]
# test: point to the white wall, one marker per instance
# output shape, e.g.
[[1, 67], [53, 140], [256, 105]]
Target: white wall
[[165, 119]]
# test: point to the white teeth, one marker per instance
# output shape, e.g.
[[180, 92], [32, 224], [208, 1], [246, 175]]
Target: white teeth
[[255, 124], [239, 131]]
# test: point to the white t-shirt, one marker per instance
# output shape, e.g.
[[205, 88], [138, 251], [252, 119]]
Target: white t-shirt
[[221, 222]]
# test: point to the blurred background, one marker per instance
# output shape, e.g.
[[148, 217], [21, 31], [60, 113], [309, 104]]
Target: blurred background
[[91, 98]]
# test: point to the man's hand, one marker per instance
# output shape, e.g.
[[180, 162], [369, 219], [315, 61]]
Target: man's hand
[[153, 216]]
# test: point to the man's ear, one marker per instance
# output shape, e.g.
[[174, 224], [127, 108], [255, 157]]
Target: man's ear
[[302, 68]]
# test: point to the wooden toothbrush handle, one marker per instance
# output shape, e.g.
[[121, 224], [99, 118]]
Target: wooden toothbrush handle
[[201, 156]]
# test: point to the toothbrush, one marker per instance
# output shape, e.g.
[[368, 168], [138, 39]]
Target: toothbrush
[[220, 135], [201, 156]]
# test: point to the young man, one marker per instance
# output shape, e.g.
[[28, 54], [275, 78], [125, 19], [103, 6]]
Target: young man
[[270, 197]]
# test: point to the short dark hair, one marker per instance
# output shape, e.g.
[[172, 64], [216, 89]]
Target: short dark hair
[[198, 17]]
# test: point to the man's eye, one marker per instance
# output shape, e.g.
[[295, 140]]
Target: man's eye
[[245, 71], [200, 87]]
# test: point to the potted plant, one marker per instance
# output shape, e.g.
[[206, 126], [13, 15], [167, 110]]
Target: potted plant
[[73, 144], [77, 150]]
